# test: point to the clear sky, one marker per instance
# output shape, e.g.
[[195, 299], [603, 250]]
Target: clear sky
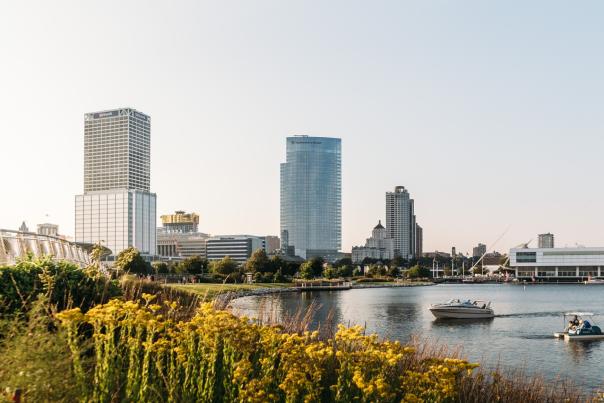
[[489, 112]]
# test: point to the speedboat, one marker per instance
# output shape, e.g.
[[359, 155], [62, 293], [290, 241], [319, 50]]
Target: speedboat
[[579, 327], [456, 309], [591, 280]]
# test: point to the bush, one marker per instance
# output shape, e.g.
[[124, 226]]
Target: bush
[[418, 272], [220, 357], [130, 261], [65, 285]]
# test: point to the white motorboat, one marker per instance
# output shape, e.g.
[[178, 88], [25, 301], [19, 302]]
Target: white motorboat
[[579, 327], [591, 280], [456, 309]]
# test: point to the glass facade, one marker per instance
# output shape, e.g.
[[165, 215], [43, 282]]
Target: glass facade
[[311, 194], [117, 219]]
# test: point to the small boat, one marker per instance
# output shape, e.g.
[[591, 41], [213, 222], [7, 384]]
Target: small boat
[[591, 280], [580, 327], [456, 309]]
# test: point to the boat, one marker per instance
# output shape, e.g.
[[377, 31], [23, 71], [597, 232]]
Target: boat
[[591, 280], [456, 309], [579, 327]]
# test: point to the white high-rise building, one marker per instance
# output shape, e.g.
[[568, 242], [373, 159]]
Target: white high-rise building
[[400, 222], [117, 208]]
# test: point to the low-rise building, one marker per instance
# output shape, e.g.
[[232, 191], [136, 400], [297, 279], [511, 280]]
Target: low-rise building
[[237, 247], [557, 264], [379, 246], [48, 229], [178, 244]]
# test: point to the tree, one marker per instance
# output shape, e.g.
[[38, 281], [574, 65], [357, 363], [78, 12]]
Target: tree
[[329, 272], [193, 265], [160, 267], [345, 271], [393, 271], [345, 261], [278, 277], [258, 262], [306, 271], [226, 265], [418, 272], [316, 264], [130, 261], [398, 261]]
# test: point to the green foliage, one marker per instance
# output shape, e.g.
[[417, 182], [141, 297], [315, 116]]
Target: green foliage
[[160, 267], [345, 261], [225, 265], [345, 271], [130, 261], [418, 272], [278, 277], [193, 265], [258, 262], [63, 283], [36, 360], [329, 272], [377, 270], [394, 271], [312, 268]]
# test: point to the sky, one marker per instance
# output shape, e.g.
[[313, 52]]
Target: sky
[[489, 112]]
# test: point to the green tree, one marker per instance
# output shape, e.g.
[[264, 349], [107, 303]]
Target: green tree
[[193, 265], [278, 277], [329, 272], [226, 265], [258, 262], [394, 271], [418, 272], [316, 264], [345, 271], [160, 267], [276, 263], [345, 261], [306, 270], [130, 261]]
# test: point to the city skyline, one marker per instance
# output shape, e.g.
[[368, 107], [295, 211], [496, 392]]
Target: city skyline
[[446, 101]]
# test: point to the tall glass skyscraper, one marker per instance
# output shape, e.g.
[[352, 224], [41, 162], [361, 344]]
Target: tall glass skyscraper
[[117, 208], [311, 195]]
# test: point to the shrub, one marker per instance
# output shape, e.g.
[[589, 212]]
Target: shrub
[[65, 285], [219, 357]]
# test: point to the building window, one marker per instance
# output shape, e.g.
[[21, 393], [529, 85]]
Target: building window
[[526, 257]]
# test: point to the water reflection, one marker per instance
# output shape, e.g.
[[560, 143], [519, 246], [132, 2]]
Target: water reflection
[[521, 334]]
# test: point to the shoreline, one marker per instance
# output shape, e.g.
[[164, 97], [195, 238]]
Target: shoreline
[[233, 295]]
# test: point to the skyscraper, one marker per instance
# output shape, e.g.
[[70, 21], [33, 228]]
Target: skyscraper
[[479, 250], [546, 240], [400, 222], [311, 195], [117, 208]]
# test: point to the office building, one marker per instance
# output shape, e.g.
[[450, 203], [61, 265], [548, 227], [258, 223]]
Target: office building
[[379, 246], [273, 244], [479, 250], [180, 222], [237, 247], [311, 195], [181, 244], [48, 229], [23, 227], [117, 208], [401, 222], [546, 240], [557, 264]]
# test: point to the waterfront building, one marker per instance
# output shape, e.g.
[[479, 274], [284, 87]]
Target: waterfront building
[[479, 250], [16, 245], [401, 222], [48, 229], [311, 195], [557, 264], [23, 227], [237, 247], [273, 244], [379, 246], [546, 240], [117, 208], [419, 240], [180, 222]]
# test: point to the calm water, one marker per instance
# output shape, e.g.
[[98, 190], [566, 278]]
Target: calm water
[[520, 336]]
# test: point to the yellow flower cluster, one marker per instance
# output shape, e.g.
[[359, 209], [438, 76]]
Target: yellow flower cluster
[[141, 355]]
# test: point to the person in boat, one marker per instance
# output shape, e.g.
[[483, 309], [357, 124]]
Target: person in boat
[[575, 321]]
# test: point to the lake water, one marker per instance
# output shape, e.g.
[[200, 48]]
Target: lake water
[[520, 336]]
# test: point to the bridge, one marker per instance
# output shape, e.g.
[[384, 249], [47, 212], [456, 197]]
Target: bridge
[[16, 245]]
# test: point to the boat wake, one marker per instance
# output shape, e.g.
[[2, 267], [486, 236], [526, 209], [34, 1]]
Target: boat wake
[[529, 315]]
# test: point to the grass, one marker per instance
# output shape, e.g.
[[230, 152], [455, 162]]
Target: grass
[[209, 291]]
